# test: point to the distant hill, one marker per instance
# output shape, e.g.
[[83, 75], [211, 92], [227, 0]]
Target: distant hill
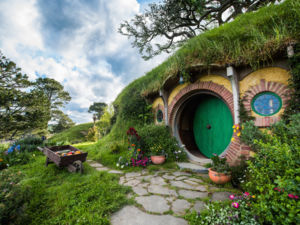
[[74, 134]]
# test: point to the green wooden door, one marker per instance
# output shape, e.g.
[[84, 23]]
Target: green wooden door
[[212, 126]]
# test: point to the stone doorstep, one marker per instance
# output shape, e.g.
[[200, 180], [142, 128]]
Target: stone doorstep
[[193, 167]]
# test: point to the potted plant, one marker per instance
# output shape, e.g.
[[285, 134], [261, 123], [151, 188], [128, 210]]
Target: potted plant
[[158, 155], [219, 172]]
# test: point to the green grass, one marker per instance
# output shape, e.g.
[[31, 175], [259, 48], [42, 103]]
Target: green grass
[[55, 196], [75, 134]]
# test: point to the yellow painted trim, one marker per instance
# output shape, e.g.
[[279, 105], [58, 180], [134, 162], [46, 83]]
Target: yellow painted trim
[[274, 74], [175, 91], [214, 78], [157, 101], [217, 79]]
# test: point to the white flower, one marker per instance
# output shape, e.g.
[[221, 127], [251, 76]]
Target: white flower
[[179, 151], [118, 165], [122, 166]]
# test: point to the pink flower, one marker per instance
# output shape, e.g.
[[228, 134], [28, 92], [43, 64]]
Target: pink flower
[[235, 204], [247, 193], [231, 197], [296, 196], [291, 195]]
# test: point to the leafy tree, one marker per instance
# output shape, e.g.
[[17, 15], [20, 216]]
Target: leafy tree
[[21, 109], [169, 24], [63, 122], [55, 93], [104, 123], [97, 108]]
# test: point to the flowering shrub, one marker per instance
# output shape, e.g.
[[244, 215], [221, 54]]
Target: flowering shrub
[[134, 156], [157, 149], [237, 211], [273, 176], [158, 138], [219, 164], [21, 152]]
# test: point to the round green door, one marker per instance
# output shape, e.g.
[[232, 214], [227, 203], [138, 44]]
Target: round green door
[[212, 126]]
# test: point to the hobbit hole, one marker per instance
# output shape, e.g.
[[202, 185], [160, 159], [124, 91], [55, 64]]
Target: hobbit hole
[[201, 114]]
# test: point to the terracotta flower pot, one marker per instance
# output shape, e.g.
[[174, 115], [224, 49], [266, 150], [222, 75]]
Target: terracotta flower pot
[[158, 159], [218, 178]]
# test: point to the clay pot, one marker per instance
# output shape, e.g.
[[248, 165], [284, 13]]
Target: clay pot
[[158, 159], [218, 178]]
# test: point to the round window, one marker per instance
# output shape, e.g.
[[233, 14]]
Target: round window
[[266, 103], [159, 116]]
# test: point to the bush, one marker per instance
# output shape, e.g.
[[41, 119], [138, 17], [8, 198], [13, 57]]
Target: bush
[[93, 134], [274, 175], [20, 152], [160, 135], [250, 133], [238, 211]]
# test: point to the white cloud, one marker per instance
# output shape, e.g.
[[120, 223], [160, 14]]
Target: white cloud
[[92, 60]]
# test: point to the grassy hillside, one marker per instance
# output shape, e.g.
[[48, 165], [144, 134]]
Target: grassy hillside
[[74, 134], [252, 39]]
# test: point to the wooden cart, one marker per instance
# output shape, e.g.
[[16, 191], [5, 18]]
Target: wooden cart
[[72, 162]]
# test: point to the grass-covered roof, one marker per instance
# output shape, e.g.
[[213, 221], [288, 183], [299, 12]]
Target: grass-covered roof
[[250, 39]]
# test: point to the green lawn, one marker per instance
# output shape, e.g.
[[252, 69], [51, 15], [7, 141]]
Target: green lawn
[[35, 194]]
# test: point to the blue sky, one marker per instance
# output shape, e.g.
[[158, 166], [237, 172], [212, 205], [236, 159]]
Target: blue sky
[[75, 42]]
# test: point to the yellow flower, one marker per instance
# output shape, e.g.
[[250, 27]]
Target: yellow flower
[[242, 127], [237, 127], [234, 130], [253, 196], [1, 160], [238, 134], [232, 139], [233, 126]]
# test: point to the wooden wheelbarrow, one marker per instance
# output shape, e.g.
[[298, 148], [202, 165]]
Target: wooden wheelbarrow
[[60, 155]]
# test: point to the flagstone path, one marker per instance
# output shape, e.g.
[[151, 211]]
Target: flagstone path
[[164, 197]]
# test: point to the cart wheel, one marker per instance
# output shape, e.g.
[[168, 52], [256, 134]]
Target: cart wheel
[[79, 166], [47, 161]]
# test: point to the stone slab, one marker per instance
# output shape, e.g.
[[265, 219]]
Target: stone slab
[[158, 189], [191, 182], [101, 168], [153, 203], [181, 184], [132, 183], [140, 190], [193, 167], [192, 194], [181, 178], [122, 180], [96, 165], [220, 196], [158, 181], [132, 174], [199, 206], [179, 206], [168, 177], [178, 173], [131, 215], [115, 172]]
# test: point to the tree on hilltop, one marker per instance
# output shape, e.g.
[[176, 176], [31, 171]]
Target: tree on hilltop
[[167, 25]]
